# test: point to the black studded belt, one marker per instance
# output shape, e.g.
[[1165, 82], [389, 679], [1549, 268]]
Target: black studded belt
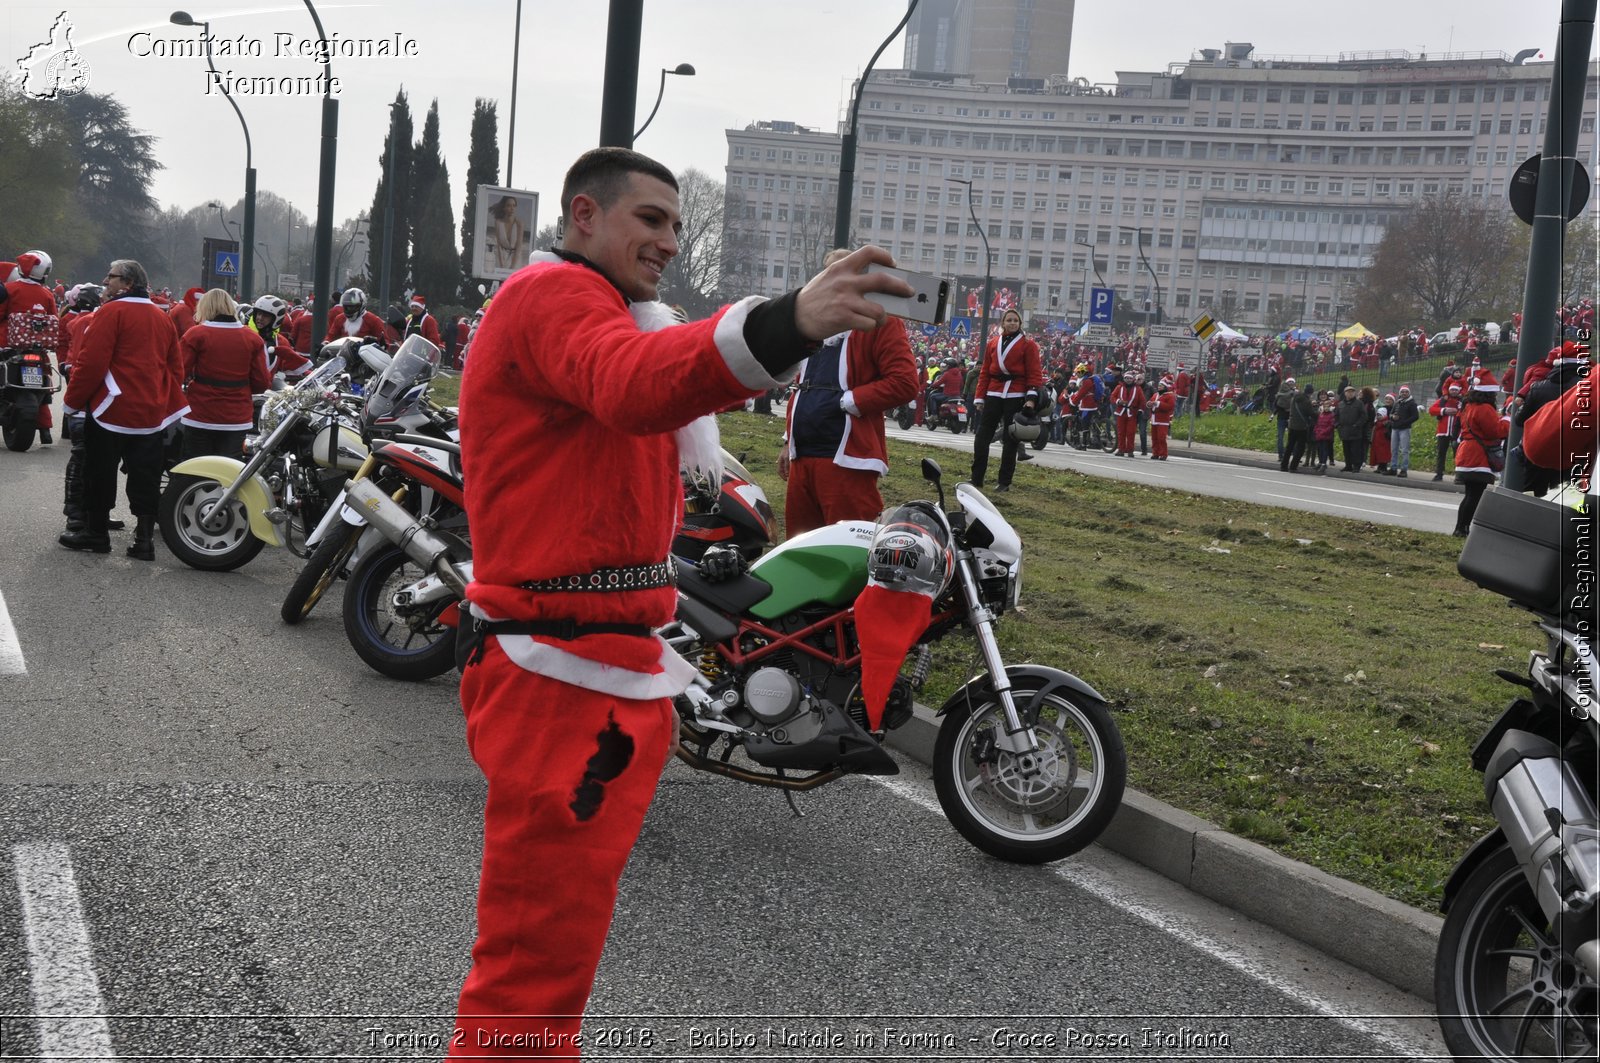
[[630, 578]]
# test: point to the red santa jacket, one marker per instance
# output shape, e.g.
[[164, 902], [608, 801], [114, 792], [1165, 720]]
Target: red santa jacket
[[568, 414], [127, 370], [1085, 398], [1447, 410], [425, 325], [876, 373], [282, 356], [1010, 370], [224, 364], [1161, 409], [1481, 424], [370, 325], [1562, 435], [74, 326], [182, 312], [299, 325], [1127, 399]]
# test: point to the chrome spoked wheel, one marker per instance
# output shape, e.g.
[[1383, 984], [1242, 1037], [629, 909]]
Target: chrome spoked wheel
[[1030, 807]]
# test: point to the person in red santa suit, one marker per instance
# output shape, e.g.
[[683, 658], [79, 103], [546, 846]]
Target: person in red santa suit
[[268, 318], [127, 378], [1008, 383], [1448, 410], [30, 318], [84, 299], [301, 322], [835, 448], [571, 410], [419, 322], [352, 318], [183, 311], [1161, 409], [1126, 399], [224, 364], [1482, 426]]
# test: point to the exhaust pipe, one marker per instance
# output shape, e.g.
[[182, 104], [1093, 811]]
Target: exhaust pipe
[[1550, 821], [435, 551]]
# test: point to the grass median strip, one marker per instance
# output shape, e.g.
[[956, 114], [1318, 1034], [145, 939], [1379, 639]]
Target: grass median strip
[[1309, 682]]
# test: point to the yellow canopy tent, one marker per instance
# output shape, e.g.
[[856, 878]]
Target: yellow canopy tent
[[1354, 332]]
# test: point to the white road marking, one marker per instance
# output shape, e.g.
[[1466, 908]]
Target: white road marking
[[1136, 470], [11, 662], [1331, 505], [1103, 888], [1358, 494], [60, 957]]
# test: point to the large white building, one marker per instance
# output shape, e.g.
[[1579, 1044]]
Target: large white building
[[1255, 184]]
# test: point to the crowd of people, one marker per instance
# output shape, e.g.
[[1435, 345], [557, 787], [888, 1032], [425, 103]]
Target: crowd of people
[[152, 378]]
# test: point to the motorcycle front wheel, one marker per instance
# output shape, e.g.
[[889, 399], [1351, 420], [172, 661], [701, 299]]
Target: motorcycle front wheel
[[1030, 809], [384, 638], [324, 566], [184, 502], [904, 419], [1503, 987]]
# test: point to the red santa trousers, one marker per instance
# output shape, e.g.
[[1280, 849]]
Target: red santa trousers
[[1127, 432], [571, 773], [822, 493], [1158, 439]]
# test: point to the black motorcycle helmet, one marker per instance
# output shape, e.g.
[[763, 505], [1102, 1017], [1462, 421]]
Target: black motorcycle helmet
[[88, 298]]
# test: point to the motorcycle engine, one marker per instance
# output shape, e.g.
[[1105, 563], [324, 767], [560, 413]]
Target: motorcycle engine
[[772, 695]]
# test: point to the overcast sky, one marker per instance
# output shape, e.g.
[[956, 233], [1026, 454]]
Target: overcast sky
[[756, 59]]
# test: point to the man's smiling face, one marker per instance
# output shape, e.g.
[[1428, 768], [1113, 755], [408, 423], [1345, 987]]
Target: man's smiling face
[[633, 239]]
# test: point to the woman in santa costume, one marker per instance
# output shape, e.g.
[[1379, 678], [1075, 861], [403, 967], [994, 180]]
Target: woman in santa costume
[[573, 412], [224, 364], [1482, 426], [1008, 383]]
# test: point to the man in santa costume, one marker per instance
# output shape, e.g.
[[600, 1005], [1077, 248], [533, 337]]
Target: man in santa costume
[[1161, 409], [29, 318], [300, 323], [835, 448], [570, 410], [352, 318], [182, 312], [1127, 398], [127, 378], [419, 322]]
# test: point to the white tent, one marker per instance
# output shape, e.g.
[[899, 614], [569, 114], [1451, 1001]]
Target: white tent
[[1228, 333]]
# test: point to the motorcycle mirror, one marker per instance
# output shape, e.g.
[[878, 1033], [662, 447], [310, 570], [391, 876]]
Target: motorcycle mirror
[[932, 473]]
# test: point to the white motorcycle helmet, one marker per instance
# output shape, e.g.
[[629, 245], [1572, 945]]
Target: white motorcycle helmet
[[40, 267], [1024, 427], [911, 550], [273, 306]]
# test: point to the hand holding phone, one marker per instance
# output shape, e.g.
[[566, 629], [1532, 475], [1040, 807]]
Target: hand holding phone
[[927, 303]]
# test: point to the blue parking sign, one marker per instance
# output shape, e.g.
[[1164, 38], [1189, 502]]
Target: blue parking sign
[[1102, 301]]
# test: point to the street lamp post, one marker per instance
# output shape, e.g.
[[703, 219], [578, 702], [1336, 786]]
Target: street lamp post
[[1094, 262], [621, 90], [354, 232], [682, 69], [322, 288], [988, 259], [183, 18], [1138, 238], [516, 61], [270, 261], [847, 153]]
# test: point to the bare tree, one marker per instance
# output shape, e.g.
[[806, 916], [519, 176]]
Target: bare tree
[[1450, 258], [693, 278]]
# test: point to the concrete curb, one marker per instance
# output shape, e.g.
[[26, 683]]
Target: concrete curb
[[1229, 456], [1365, 929]]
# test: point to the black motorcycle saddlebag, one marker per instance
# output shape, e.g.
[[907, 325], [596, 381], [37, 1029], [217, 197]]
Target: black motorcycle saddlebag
[[1539, 554]]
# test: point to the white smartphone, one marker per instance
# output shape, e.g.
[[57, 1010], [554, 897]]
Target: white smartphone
[[929, 299]]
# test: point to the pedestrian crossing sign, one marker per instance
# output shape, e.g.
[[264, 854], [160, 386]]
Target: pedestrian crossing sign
[[961, 327], [227, 264]]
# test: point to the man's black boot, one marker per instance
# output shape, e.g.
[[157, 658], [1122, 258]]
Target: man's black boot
[[144, 540], [45, 438], [93, 537]]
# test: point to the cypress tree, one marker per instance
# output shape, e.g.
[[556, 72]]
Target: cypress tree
[[483, 168], [434, 262], [400, 129]]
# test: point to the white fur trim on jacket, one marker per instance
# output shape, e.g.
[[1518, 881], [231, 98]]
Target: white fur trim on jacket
[[740, 360], [699, 441], [531, 655]]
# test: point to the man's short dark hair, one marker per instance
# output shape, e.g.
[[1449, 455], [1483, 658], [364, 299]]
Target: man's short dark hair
[[602, 173]]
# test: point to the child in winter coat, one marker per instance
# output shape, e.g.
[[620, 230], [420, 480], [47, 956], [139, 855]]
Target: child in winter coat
[[1323, 432], [1381, 453]]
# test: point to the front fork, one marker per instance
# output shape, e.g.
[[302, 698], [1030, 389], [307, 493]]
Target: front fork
[[1019, 738], [216, 516]]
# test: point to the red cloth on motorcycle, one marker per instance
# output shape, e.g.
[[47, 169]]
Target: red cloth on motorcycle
[[888, 624], [1562, 435], [597, 435], [128, 370]]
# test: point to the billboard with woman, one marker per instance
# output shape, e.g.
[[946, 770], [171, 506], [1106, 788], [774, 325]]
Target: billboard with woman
[[506, 220]]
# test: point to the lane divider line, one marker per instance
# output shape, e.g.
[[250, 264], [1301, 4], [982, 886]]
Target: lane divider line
[[11, 660], [66, 993]]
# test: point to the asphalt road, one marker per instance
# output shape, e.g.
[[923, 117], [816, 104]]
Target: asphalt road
[[227, 838], [1332, 494]]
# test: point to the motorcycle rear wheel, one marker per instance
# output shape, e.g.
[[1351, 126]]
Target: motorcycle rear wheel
[[1030, 818], [184, 501], [1502, 986], [904, 419], [380, 636], [19, 434], [325, 565]]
